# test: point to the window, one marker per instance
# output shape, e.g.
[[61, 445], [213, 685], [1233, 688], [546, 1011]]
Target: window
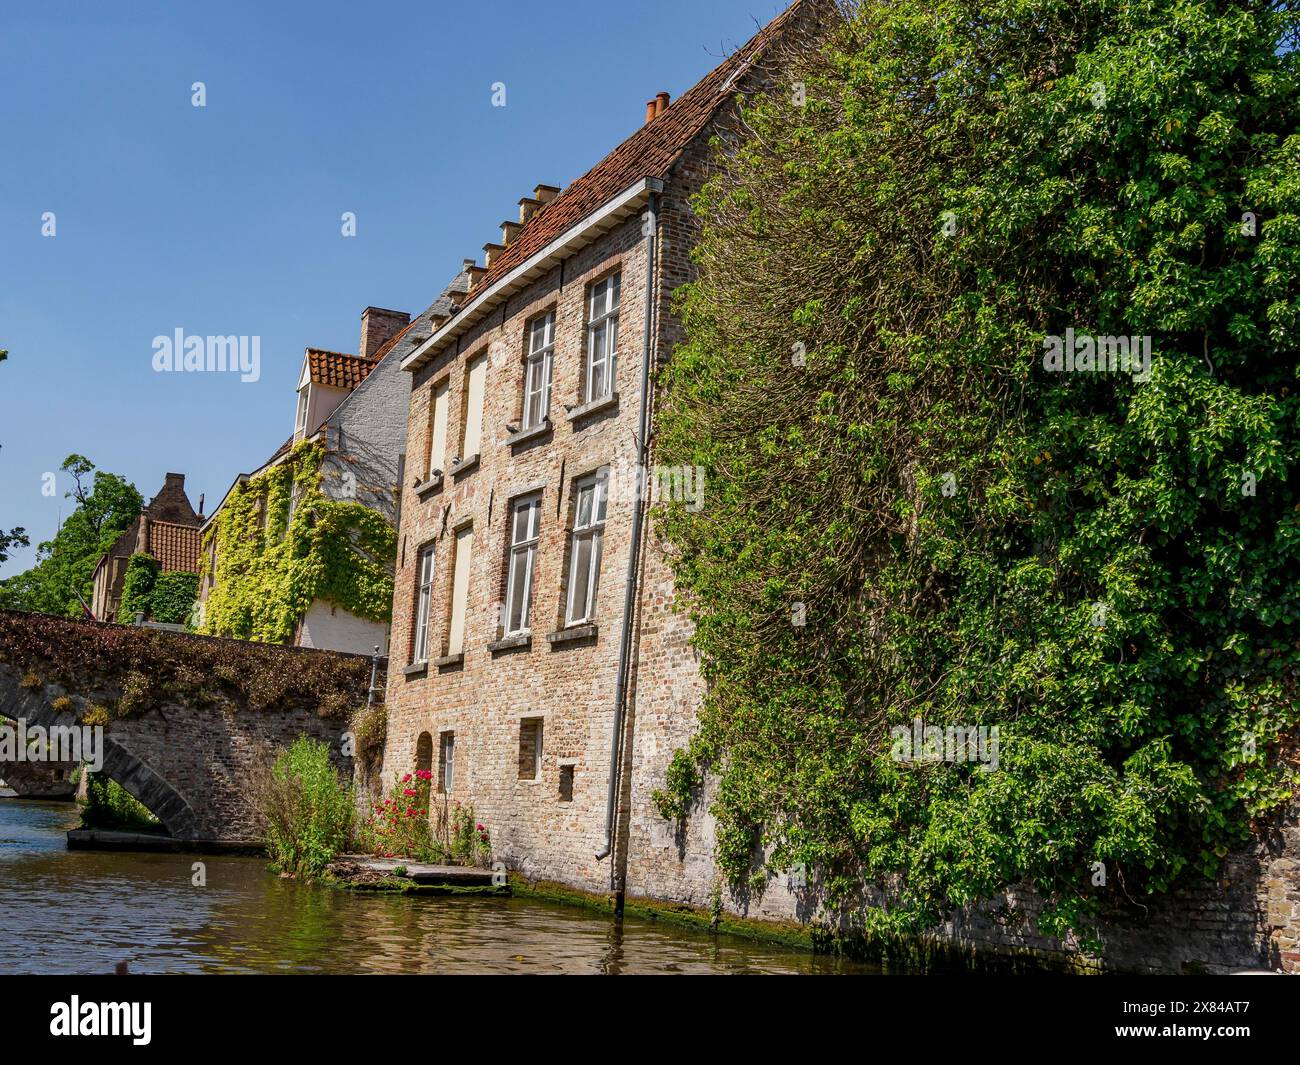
[[530, 748], [475, 381], [424, 754], [525, 518], [460, 591], [566, 783], [437, 428], [424, 600], [446, 761], [585, 549], [300, 422], [602, 337], [537, 376]]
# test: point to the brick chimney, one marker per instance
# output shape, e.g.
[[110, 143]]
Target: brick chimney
[[378, 327]]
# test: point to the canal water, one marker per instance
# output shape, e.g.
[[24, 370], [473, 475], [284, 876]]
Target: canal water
[[77, 912]]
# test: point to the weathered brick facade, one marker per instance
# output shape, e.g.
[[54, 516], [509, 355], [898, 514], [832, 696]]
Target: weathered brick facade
[[551, 827]]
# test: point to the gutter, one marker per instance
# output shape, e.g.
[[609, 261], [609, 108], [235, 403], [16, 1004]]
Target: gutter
[[581, 233], [634, 550]]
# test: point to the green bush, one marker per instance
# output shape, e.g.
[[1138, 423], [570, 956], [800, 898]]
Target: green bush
[[173, 597], [910, 513], [109, 805], [305, 809], [137, 588]]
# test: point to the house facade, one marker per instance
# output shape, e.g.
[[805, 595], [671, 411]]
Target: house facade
[[537, 668], [353, 407], [167, 529]]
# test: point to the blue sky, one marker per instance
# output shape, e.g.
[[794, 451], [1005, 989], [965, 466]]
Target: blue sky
[[226, 219]]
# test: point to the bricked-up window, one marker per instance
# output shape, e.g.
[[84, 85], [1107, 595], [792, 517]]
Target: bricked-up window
[[525, 523], [424, 753], [537, 375], [585, 549], [471, 436], [566, 783], [446, 762], [530, 748], [460, 590], [437, 457], [424, 600], [602, 337]]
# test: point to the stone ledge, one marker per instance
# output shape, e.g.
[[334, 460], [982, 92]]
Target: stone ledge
[[447, 661], [418, 669], [572, 634], [510, 643], [457, 468], [428, 487], [535, 433], [594, 407]]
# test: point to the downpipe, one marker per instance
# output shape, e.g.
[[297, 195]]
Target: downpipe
[[634, 553]]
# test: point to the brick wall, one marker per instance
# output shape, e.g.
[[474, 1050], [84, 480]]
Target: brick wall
[[569, 685]]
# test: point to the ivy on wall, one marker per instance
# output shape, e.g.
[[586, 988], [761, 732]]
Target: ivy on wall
[[137, 589], [281, 544]]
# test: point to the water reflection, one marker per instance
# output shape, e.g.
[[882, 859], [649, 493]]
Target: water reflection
[[83, 911]]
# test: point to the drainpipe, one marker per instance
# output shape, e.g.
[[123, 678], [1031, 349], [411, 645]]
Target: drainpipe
[[634, 551]]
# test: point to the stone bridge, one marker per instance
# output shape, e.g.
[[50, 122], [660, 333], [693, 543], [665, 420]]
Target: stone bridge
[[187, 721]]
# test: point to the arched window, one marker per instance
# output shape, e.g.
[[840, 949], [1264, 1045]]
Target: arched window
[[424, 753]]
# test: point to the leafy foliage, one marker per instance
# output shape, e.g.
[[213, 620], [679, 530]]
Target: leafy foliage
[[146, 667], [854, 349], [281, 544], [137, 587], [109, 805], [66, 564], [305, 809]]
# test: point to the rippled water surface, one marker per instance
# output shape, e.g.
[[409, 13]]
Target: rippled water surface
[[67, 911]]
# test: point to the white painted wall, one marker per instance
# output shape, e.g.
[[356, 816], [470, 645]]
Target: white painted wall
[[332, 628]]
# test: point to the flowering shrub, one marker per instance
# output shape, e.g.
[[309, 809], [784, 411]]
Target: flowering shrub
[[399, 826], [471, 843]]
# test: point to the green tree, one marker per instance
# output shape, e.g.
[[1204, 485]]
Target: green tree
[[911, 515], [105, 505], [16, 537]]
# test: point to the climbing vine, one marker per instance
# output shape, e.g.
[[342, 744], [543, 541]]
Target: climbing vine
[[914, 517], [281, 543]]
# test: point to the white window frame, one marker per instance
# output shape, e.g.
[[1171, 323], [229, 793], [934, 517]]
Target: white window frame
[[537, 369], [594, 530], [426, 567], [527, 546], [603, 303], [447, 761], [300, 422]]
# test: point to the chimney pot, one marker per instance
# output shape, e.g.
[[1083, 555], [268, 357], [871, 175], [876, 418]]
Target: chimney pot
[[661, 103], [476, 274], [650, 108], [509, 230], [528, 207], [491, 251], [546, 193]]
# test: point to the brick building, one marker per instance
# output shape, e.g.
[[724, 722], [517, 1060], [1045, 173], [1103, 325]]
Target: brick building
[[536, 666], [355, 406], [166, 528]]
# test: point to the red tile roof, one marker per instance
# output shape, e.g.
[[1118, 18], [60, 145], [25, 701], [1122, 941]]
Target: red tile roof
[[176, 547], [337, 369], [649, 152]]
